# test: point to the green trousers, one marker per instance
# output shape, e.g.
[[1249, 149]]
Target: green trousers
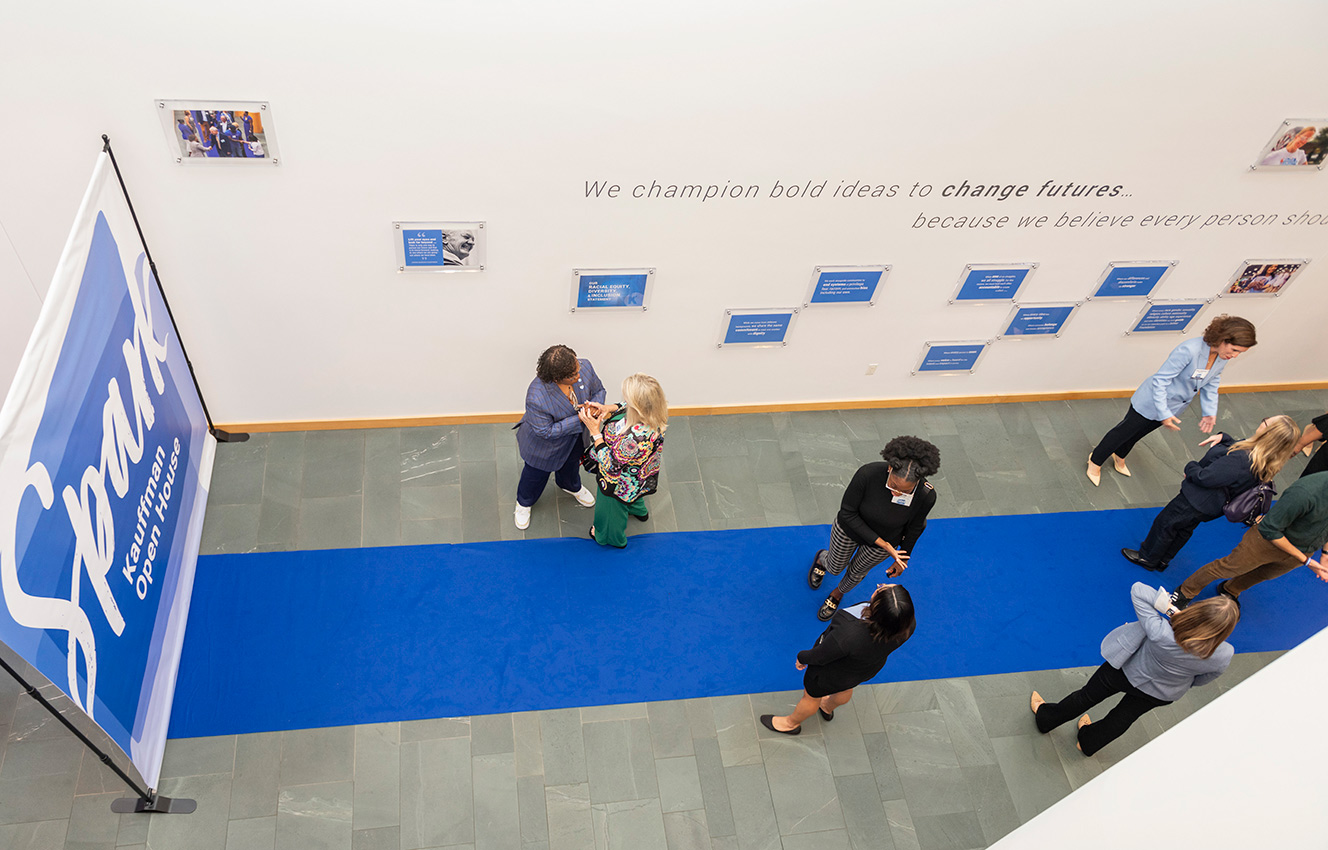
[[611, 518]]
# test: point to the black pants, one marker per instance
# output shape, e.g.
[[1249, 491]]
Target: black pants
[[1106, 681], [1318, 463], [1119, 440], [1171, 530]]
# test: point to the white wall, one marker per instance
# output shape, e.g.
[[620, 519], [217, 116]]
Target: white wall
[[1244, 771], [283, 281]]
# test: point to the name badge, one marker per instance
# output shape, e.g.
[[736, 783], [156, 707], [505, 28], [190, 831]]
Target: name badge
[[1199, 374], [902, 499]]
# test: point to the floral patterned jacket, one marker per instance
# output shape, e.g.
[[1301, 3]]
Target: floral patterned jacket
[[629, 459]]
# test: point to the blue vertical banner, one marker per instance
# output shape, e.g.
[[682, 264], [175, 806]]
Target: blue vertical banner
[[105, 460]]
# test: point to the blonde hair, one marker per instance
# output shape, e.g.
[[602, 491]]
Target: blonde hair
[[1270, 450], [1201, 628], [645, 402]]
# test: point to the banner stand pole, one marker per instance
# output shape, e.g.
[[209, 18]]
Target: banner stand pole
[[220, 435], [147, 801]]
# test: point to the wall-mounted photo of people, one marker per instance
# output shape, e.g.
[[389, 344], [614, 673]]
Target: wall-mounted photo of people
[[1296, 144], [218, 131], [1257, 277], [204, 132]]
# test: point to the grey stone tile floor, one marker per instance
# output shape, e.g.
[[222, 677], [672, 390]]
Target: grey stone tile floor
[[934, 765]]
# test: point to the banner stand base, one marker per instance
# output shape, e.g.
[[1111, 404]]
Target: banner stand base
[[155, 804], [228, 437]]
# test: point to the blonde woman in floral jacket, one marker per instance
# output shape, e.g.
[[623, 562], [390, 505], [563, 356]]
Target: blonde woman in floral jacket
[[628, 439]]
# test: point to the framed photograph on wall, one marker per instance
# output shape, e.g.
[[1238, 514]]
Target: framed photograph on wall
[[1297, 144], [214, 132], [940, 358], [439, 246], [611, 289], [983, 283], [763, 327], [1263, 277]]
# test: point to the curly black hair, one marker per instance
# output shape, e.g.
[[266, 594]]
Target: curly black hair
[[912, 458], [557, 363]]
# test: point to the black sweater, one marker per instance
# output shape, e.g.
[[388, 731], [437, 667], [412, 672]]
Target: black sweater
[[867, 511]]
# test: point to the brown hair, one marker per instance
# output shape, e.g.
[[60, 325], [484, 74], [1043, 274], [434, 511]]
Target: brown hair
[[1270, 450], [557, 363], [1232, 329], [1201, 628]]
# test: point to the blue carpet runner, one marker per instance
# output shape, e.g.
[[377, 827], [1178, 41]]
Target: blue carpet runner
[[293, 640]]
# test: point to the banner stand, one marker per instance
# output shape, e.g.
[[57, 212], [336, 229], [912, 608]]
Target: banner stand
[[146, 801], [220, 435]]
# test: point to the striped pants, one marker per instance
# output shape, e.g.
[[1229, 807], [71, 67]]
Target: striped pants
[[847, 552]]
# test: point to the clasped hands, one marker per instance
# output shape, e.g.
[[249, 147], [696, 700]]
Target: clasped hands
[[592, 414]]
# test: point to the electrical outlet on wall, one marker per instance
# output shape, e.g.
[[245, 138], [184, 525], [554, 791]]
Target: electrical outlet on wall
[[871, 368]]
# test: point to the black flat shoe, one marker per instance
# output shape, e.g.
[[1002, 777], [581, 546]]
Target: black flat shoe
[[1222, 591], [592, 533], [643, 517], [768, 721], [1133, 556], [826, 717], [817, 572], [828, 609]]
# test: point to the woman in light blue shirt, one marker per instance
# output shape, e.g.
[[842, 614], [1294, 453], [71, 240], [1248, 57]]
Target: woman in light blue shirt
[[1193, 367]]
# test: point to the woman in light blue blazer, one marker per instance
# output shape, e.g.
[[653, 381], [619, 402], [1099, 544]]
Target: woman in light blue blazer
[[1193, 367], [1153, 661]]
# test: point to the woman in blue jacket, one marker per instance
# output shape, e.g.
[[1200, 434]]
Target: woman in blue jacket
[[1228, 469], [1193, 367], [1153, 661]]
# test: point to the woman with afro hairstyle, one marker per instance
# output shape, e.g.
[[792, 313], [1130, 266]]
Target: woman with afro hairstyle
[[883, 513]]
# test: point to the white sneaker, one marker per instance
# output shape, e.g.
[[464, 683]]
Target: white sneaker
[[522, 517], [584, 497]]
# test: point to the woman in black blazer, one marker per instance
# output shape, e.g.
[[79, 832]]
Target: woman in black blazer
[[852, 650], [1228, 469]]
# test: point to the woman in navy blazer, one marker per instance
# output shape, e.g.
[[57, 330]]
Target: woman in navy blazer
[[1227, 470], [1153, 661], [1193, 367], [549, 436]]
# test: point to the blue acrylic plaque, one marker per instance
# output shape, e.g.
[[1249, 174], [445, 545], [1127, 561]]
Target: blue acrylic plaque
[[844, 286], [757, 328], [1167, 317], [1041, 320], [1130, 281], [611, 290], [950, 357], [991, 284], [422, 248]]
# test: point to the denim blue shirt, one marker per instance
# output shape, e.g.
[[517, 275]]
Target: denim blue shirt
[[551, 428], [1171, 389]]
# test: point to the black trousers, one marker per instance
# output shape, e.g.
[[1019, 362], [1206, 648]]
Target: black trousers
[[1106, 681], [1119, 440], [1318, 463], [1171, 530]]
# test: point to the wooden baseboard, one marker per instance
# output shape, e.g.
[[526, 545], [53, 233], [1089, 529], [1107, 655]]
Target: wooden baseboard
[[721, 409]]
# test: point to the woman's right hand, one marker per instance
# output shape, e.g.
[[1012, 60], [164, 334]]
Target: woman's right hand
[[589, 419], [1171, 422], [799, 665]]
